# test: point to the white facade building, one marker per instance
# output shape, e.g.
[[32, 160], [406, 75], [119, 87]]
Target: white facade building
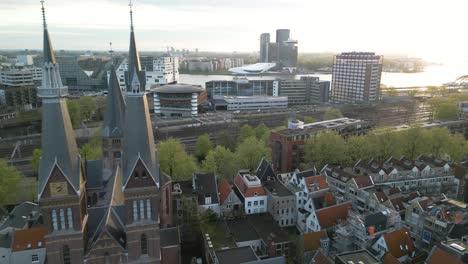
[[253, 194], [16, 77], [158, 70], [255, 102]]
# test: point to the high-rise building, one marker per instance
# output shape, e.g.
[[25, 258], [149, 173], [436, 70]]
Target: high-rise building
[[264, 47], [113, 210], [284, 51], [356, 77]]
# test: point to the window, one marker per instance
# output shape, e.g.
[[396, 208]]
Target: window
[[54, 220], [70, 218], [35, 258], [66, 255], [144, 245], [262, 202], [249, 204], [39, 244], [148, 209], [255, 203], [142, 210], [135, 211], [62, 219]]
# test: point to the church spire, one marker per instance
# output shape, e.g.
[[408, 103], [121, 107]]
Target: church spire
[[57, 140], [48, 50], [136, 79]]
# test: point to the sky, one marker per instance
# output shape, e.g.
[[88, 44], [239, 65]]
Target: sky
[[431, 29]]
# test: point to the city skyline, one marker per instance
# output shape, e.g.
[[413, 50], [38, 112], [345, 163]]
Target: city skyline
[[331, 26]]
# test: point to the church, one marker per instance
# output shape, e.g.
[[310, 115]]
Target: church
[[114, 210]]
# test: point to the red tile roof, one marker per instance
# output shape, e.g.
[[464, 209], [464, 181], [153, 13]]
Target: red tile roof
[[224, 189], [319, 258], [320, 181], [26, 239], [330, 199], [399, 242], [246, 190], [381, 197], [363, 181], [312, 240], [440, 256], [329, 216]]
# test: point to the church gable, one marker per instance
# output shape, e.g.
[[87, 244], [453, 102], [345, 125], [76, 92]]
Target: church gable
[[57, 185], [140, 177]]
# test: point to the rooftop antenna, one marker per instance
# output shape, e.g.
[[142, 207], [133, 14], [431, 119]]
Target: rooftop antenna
[[131, 15], [43, 15]]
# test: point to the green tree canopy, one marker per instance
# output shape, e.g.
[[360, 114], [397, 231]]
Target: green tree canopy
[[326, 148], [385, 143], [445, 111], [246, 132], [309, 119], [175, 161], [93, 149], [9, 179], [224, 138], [250, 152], [414, 141], [357, 147], [36, 157], [226, 162], [88, 107], [332, 114], [261, 130], [202, 147], [75, 112]]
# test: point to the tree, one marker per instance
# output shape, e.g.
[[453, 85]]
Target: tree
[[226, 139], [9, 179], [385, 143], [88, 107], [209, 164], [391, 92], [226, 162], [412, 93], [358, 148], [36, 157], [439, 140], [93, 149], [261, 130], [175, 161], [327, 148], [202, 147], [246, 132], [308, 119], [456, 148], [445, 111], [75, 112], [332, 114], [413, 141], [250, 152]]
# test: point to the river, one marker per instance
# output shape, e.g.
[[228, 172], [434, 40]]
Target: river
[[434, 75]]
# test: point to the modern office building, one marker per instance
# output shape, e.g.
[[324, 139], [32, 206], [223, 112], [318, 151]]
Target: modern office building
[[15, 77], [158, 70], [178, 99], [75, 77], [284, 51], [217, 89], [18, 89], [264, 47], [307, 90], [237, 103], [287, 146], [356, 77]]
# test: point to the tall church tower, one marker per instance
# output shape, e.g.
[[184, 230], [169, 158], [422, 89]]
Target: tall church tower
[[61, 193], [113, 128], [140, 168]]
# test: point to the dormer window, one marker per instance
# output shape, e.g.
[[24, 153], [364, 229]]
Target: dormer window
[[255, 193]]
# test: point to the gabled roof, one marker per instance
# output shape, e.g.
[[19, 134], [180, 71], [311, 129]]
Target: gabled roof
[[248, 191], [438, 255], [113, 125], [363, 181], [312, 240], [319, 182], [93, 174], [19, 217], [381, 197], [265, 170], [329, 216], [27, 239], [225, 189], [206, 186], [320, 258], [399, 242], [337, 173], [306, 173], [113, 226]]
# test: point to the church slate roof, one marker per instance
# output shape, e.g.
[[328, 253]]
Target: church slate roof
[[115, 108]]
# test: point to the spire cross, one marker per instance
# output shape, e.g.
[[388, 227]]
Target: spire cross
[[131, 14], [43, 15]]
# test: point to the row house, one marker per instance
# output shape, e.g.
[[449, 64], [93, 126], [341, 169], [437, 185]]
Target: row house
[[251, 192], [398, 243], [327, 218], [229, 204], [206, 189], [430, 176]]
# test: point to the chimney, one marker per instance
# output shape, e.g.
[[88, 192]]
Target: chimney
[[325, 244], [371, 230]]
